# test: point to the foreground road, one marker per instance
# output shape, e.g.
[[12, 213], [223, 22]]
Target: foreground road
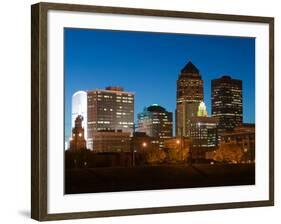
[[157, 177]]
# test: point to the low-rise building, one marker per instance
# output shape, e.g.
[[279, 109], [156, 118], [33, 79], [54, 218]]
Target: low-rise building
[[244, 136], [141, 142], [177, 143], [177, 149], [111, 141]]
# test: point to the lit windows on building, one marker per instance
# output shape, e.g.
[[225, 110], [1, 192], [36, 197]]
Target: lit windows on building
[[157, 123], [227, 102], [109, 109], [189, 95], [203, 132]]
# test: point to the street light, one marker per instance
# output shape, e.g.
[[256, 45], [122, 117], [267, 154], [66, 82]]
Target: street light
[[144, 144], [179, 142]]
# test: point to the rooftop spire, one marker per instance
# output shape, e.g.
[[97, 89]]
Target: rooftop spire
[[202, 111], [190, 68]]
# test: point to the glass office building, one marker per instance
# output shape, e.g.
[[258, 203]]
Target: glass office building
[[79, 107], [157, 123]]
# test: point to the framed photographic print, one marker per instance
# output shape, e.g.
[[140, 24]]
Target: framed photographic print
[[139, 111]]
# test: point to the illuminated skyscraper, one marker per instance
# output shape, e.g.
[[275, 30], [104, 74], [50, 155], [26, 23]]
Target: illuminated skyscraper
[[157, 123], [189, 96], [79, 107], [111, 109], [227, 102]]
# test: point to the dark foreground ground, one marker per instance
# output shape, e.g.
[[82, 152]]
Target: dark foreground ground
[[157, 177]]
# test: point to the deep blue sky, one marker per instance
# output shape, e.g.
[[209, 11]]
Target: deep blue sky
[[149, 64]]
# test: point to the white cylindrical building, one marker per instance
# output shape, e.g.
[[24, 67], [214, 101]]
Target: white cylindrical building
[[79, 107]]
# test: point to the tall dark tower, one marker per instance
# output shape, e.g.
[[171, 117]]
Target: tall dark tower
[[227, 102], [189, 95]]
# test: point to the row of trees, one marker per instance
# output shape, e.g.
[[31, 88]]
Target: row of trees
[[226, 153], [87, 158], [233, 153], [152, 156]]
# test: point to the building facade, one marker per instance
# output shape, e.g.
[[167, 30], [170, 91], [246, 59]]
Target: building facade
[[227, 103], [203, 133], [111, 141], [189, 95], [78, 142], [157, 123], [243, 136], [111, 109]]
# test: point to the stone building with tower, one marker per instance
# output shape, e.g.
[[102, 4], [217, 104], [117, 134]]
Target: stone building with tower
[[78, 142]]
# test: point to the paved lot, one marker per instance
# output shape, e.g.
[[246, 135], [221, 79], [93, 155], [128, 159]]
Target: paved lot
[[157, 177]]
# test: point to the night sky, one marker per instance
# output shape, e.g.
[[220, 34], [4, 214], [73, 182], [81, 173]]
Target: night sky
[[148, 64]]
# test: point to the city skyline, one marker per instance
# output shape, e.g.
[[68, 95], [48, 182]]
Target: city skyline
[[79, 73]]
